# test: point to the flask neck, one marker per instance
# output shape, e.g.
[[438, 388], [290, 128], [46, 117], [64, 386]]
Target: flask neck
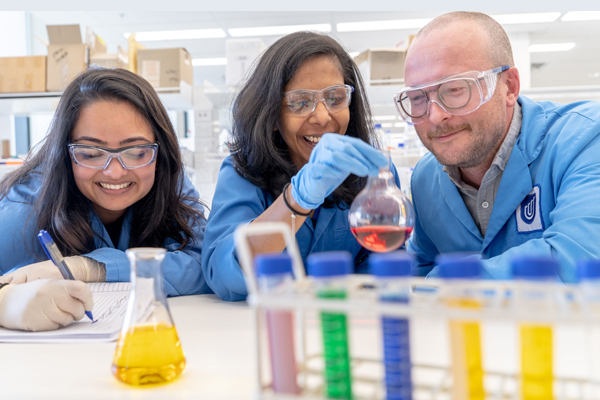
[[385, 176], [383, 180], [147, 275]]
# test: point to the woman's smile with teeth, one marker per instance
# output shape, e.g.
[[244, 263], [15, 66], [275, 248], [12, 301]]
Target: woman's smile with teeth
[[114, 187], [313, 139]]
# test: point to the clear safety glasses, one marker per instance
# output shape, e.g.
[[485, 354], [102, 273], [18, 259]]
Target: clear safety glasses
[[99, 157], [457, 95], [302, 102]]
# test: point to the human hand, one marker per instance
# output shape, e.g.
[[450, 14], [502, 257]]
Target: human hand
[[332, 160], [82, 268], [32, 272], [44, 304]]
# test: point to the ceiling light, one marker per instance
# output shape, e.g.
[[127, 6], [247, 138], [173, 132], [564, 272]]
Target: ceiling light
[[387, 125], [382, 25], [277, 30], [581, 16], [399, 124], [543, 48], [178, 35], [529, 18], [204, 62], [385, 117]]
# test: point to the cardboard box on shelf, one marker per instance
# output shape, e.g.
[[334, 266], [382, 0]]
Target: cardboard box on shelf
[[95, 42], [67, 56], [5, 148], [23, 74], [118, 60], [382, 66], [241, 54], [410, 39], [165, 67], [133, 46]]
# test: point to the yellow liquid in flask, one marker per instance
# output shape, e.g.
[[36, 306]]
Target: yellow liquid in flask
[[149, 355]]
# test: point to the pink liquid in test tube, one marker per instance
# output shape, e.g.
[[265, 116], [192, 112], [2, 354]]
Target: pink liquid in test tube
[[280, 326], [274, 274]]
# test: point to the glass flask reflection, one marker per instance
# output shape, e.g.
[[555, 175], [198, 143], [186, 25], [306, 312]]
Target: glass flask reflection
[[148, 350], [381, 216]]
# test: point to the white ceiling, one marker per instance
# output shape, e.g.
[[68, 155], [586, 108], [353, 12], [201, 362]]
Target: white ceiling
[[579, 66]]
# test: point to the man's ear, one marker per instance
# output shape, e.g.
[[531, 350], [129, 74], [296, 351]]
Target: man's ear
[[513, 86]]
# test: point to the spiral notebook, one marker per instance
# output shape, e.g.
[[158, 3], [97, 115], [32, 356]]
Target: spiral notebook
[[110, 303]]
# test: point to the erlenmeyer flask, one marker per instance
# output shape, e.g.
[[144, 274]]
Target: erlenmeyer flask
[[148, 350], [381, 216]]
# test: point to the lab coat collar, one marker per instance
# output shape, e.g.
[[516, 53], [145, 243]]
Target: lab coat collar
[[102, 238], [516, 180], [325, 216], [456, 204], [514, 186], [533, 129]]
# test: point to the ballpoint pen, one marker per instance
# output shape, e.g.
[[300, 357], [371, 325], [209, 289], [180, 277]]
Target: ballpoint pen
[[54, 254]]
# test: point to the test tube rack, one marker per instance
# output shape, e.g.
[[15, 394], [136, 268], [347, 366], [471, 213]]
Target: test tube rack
[[426, 310]]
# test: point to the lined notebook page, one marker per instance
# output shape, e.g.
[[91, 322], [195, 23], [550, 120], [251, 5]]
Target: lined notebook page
[[110, 303]]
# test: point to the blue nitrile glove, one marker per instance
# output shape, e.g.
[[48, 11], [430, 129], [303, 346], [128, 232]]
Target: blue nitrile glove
[[331, 161]]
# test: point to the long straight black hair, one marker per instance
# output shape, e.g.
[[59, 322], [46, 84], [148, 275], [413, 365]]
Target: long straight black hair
[[62, 210], [259, 153]]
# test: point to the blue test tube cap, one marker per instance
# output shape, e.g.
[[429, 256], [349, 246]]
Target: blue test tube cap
[[397, 263], [534, 268], [588, 269], [329, 263], [273, 264], [458, 266]]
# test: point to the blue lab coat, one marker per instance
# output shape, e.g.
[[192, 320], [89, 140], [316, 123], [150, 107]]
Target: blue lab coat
[[548, 201], [237, 201], [181, 268]]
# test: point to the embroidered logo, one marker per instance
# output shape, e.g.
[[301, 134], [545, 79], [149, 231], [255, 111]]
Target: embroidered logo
[[528, 213], [528, 208]]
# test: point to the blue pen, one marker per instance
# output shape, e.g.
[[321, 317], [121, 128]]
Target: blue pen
[[54, 254]]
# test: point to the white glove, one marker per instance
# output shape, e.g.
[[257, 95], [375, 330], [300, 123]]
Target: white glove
[[44, 304], [83, 269]]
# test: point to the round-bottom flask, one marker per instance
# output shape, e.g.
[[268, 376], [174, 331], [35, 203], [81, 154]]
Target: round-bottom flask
[[148, 349], [381, 217]]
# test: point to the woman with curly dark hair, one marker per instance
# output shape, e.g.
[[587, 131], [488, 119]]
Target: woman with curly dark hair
[[108, 177], [302, 148]]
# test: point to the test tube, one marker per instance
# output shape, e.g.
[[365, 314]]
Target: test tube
[[329, 270], [392, 271], [274, 275], [465, 335], [589, 285], [536, 339]]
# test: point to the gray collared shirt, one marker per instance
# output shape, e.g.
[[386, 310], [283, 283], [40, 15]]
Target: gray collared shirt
[[481, 202]]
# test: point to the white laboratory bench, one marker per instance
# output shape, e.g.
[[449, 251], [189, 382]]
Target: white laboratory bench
[[217, 339], [220, 347]]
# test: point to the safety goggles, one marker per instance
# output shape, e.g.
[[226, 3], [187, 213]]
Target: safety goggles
[[303, 102], [96, 157], [457, 95]]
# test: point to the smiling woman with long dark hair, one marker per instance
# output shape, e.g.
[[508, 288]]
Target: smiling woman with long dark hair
[[107, 177], [302, 145]]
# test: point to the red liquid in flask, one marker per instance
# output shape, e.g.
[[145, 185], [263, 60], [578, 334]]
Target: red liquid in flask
[[381, 238]]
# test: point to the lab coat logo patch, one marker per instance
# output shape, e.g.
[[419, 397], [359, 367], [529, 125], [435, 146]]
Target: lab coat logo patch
[[528, 214]]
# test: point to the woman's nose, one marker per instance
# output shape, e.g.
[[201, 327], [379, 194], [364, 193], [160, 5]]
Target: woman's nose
[[320, 115], [114, 169]]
